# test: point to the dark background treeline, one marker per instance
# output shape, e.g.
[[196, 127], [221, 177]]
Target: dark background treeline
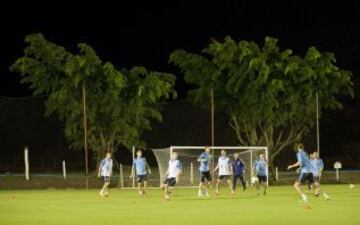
[[22, 123]]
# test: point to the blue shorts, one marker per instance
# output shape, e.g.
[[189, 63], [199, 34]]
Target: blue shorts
[[170, 181], [262, 179], [205, 175], [106, 179], [306, 177], [141, 178]]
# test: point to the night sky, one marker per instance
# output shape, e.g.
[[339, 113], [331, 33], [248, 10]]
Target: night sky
[[146, 33]]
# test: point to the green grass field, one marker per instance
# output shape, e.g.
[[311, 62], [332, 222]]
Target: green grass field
[[280, 206]]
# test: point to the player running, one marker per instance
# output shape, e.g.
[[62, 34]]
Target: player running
[[317, 165], [141, 168], [172, 174], [260, 170], [205, 176], [105, 171], [303, 162], [238, 167], [224, 167]]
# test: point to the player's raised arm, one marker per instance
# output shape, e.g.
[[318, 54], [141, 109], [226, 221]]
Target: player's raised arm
[[297, 164]]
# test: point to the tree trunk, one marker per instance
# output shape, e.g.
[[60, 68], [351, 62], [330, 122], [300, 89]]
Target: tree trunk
[[276, 139]]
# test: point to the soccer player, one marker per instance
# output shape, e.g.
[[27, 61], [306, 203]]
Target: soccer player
[[260, 170], [238, 167], [141, 169], [303, 162], [224, 167], [317, 165], [105, 171], [205, 176], [172, 174]]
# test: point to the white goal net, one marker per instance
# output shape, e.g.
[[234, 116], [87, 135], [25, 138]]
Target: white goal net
[[188, 156]]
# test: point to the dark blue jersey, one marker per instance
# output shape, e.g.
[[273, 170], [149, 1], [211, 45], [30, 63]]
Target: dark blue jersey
[[238, 167]]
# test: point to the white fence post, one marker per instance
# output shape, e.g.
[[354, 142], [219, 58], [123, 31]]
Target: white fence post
[[121, 176], [337, 175], [64, 169], [26, 159], [133, 157], [251, 164], [191, 173], [276, 173]]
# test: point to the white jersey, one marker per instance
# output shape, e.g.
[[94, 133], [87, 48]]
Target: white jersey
[[174, 168], [224, 166], [106, 166]]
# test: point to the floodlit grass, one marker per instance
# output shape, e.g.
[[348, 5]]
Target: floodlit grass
[[281, 206]]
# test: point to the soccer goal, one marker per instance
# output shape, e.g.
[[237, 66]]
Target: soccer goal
[[188, 156]]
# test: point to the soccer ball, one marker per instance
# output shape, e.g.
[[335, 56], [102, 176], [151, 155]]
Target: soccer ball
[[351, 186]]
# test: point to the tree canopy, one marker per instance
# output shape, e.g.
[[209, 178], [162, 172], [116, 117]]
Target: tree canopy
[[269, 94], [121, 103]]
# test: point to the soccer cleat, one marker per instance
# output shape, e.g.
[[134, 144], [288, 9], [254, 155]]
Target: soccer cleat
[[304, 198], [166, 197], [200, 194], [207, 194], [101, 194], [217, 192]]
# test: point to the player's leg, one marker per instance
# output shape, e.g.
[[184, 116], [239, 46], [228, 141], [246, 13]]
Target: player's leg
[[139, 188], [264, 183], [218, 184], [170, 183], [241, 177], [297, 186], [101, 193], [258, 182], [165, 188], [318, 190], [208, 183], [228, 180], [106, 189], [145, 187], [201, 185], [234, 179], [242, 182]]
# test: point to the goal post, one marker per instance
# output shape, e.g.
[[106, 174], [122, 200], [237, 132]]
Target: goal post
[[188, 156]]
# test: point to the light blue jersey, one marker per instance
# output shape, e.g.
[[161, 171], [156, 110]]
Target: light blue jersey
[[140, 166], [106, 166], [260, 167], [317, 165], [304, 160], [204, 162]]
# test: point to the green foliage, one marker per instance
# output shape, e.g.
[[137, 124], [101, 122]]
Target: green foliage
[[120, 103], [268, 93]]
